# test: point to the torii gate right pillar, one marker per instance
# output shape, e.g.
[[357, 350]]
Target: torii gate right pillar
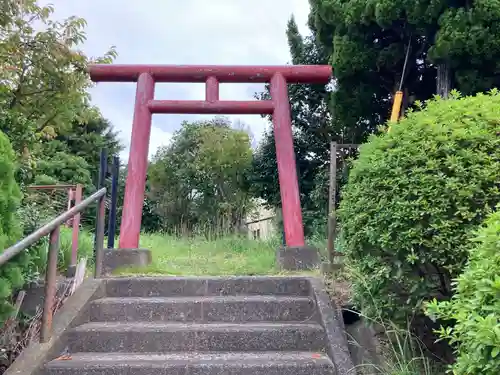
[[287, 170]]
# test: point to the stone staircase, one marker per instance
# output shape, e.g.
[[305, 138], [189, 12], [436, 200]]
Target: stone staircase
[[194, 326]]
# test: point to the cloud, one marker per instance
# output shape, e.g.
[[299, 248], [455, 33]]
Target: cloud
[[233, 32]]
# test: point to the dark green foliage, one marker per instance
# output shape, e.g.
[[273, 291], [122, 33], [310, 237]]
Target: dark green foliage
[[63, 167], [9, 195], [475, 307], [468, 39], [12, 275], [86, 139], [5, 291], [413, 198], [367, 43], [74, 155]]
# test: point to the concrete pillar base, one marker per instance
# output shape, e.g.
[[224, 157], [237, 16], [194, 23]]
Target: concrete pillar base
[[123, 258], [71, 271], [298, 258]]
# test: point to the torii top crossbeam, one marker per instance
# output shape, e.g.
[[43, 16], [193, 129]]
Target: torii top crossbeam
[[145, 105], [200, 73]]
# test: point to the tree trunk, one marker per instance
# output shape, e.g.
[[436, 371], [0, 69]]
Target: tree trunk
[[443, 81]]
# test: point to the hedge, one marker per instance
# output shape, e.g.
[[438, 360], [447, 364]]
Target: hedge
[[413, 198], [475, 307]]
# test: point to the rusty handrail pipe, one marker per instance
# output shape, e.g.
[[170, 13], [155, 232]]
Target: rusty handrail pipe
[[45, 230], [51, 187], [53, 230]]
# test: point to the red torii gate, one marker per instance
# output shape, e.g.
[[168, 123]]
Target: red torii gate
[[145, 105]]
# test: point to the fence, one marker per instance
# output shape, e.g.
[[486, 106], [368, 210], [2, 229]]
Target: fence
[[73, 195], [52, 229]]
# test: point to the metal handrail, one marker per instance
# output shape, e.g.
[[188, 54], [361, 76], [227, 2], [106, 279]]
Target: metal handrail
[[12, 251], [52, 229]]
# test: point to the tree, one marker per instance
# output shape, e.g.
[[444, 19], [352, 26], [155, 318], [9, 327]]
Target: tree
[[43, 78], [63, 167], [368, 42], [313, 130], [86, 139], [200, 179], [468, 41], [73, 157]]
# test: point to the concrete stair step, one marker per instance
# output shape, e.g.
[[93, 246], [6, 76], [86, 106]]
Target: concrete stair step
[[165, 337], [194, 363], [204, 309], [195, 286]]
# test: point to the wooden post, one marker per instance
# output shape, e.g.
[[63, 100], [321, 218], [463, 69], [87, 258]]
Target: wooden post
[[332, 219], [332, 215]]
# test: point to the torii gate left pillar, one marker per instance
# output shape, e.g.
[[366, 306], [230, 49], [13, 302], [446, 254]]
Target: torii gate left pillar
[[145, 105]]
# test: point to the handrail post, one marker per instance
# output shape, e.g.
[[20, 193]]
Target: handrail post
[[114, 198], [99, 243], [78, 193], [50, 285], [100, 219]]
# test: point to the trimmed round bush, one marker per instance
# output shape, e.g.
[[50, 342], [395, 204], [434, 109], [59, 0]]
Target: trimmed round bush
[[413, 198], [475, 307]]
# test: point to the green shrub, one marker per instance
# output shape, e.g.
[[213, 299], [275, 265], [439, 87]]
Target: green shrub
[[9, 195], [412, 199], [475, 307], [28, 265], [11, 274]]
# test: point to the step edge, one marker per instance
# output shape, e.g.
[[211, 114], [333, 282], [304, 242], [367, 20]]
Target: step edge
[[97, 359], [207, 278], [214, 298], [105, 356], [144, 325]]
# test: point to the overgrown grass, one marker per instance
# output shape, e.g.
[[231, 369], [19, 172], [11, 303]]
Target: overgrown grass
[[400, 351], [230, 255], [85, 247], [185, 256]]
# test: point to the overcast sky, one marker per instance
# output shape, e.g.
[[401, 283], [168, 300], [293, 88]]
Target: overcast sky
[[239, 32]]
